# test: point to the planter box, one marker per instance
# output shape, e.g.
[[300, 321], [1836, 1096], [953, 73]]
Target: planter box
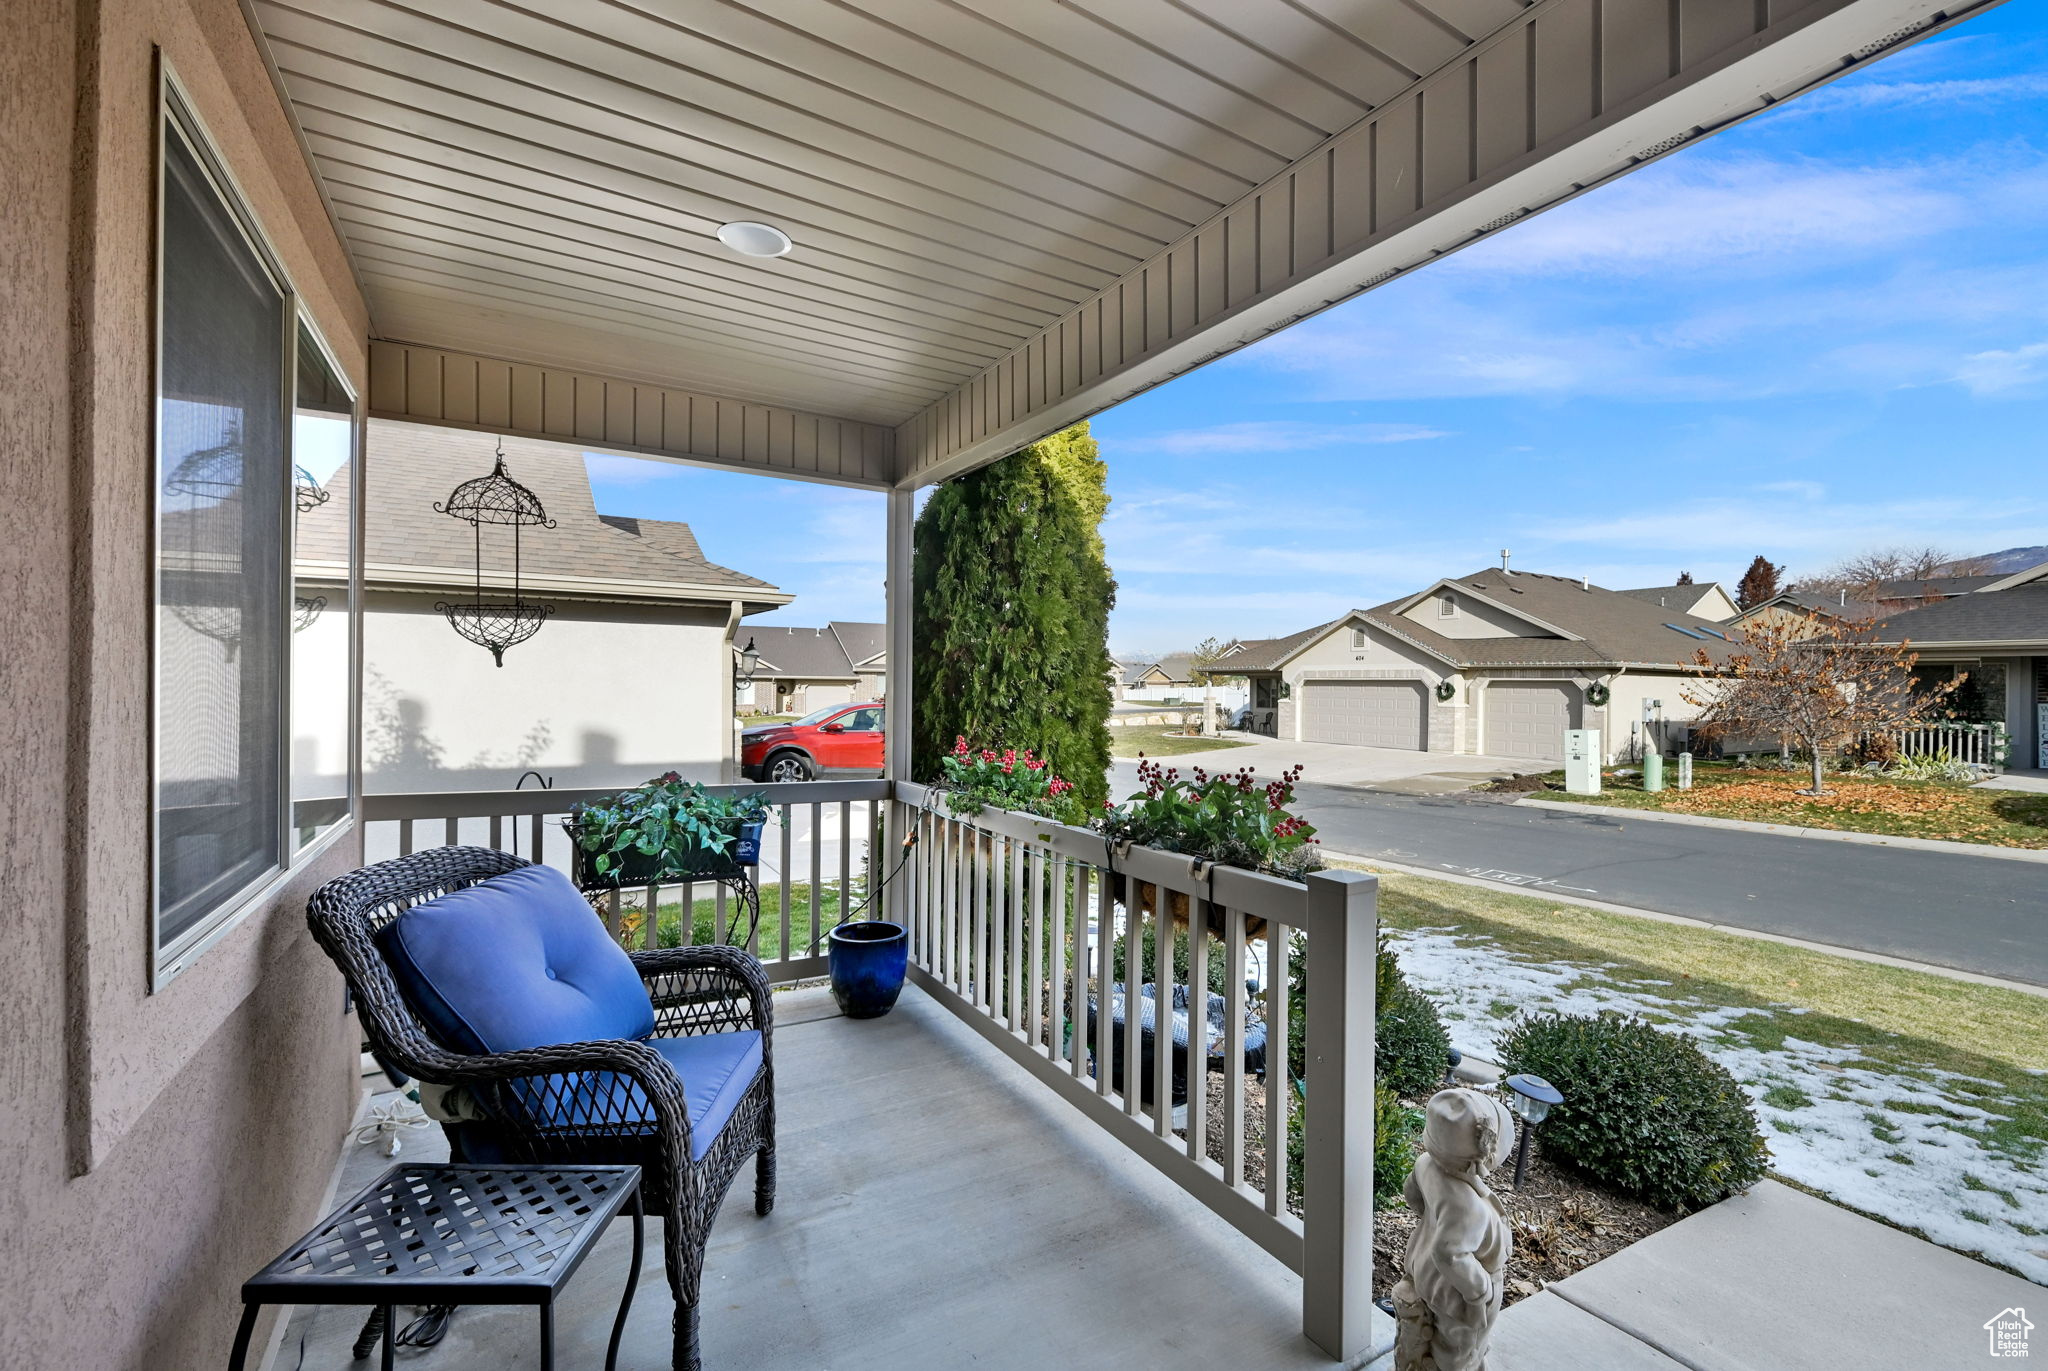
[[636, 869]]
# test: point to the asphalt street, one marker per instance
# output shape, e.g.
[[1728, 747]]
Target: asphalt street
[[1979, 914]]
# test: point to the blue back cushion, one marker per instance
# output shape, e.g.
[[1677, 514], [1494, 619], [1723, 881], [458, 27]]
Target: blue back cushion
[[515, 961]]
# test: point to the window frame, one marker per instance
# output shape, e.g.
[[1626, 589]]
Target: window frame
[[1447, 606], [177, 117]]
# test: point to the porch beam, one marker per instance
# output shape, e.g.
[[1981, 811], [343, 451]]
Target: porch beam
[[1565, 97], [902, 521], [429, 385]]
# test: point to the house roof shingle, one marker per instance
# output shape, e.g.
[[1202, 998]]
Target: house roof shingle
[[2017, 617], [1610, 629], [830, 653], [407, 541]]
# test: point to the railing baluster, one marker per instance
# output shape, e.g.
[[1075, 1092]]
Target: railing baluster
[[1020, 933], [538, 855], [405, 837], [846, 862], [611, 912], [497, 832], [782, 925], [1198, 1028], [1102, 909], [451, 831], [977, 952], [782, 873], [689, 920], [1234, 1008], [1074, 915], [1134, 958], [1162, 1011], [1276, 1068], [1035, 988], [817, 899], [992, 930]]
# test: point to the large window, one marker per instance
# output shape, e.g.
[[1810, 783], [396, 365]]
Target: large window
[[253, 422]]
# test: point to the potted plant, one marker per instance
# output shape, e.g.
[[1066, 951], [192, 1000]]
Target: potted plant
[[668, 829], [1225, 819]]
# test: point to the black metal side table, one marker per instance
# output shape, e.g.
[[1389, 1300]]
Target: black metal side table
[[439, 1233]]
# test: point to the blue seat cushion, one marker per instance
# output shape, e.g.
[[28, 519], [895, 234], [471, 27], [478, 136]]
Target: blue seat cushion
[[604, 1107], [515, 961]]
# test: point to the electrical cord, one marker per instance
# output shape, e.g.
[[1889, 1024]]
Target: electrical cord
[[909, 843]]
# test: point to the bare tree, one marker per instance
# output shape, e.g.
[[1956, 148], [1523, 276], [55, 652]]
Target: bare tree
[[1862, 575], [1818, 683], [1685, 578]]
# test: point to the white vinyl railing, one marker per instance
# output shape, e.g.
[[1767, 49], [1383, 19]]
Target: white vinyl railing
[[1014, 925], [1982, 744], [816, 855]]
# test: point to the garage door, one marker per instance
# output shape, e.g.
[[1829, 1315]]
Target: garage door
[[1527, 718], [1365, 713]]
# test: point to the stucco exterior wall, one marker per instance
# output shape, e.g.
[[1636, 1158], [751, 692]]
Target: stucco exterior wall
[[1625, 708], [604, 694], [156, 1147], [1474, 619]]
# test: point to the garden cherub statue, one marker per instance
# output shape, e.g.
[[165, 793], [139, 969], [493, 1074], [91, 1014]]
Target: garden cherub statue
[[1458, 1254]]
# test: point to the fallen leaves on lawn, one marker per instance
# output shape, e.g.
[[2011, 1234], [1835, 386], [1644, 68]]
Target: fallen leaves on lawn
[[1854, 797]]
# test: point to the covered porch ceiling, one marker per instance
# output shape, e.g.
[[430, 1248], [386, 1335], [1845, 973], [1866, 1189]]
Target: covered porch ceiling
[[1006, 214]]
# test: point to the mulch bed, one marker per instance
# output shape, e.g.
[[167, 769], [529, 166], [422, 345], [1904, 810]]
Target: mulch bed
[[1563, 1224]]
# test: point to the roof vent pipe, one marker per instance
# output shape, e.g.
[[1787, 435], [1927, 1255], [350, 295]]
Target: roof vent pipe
[[1845, 596], [1504, 569]]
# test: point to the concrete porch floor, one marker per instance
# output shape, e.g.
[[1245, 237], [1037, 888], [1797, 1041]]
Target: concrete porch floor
[[936, 1208]]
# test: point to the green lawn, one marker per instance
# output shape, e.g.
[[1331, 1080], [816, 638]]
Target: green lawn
[[1153, 741], [805, 933], [1916, 1098], [1862, 803]]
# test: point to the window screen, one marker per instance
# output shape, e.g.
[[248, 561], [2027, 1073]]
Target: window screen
[[323, 442], [221, 601]]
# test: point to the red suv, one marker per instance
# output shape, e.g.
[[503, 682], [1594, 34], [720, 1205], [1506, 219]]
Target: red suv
[[839, 740]]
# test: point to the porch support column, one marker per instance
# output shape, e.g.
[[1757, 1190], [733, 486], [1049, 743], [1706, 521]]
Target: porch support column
[[1336, 1268], [896, 741]]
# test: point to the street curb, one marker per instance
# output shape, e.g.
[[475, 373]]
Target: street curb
[[1737, 930], [2009, 854]]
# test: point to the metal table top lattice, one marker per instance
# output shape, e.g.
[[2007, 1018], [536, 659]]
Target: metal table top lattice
[[462, 1234]]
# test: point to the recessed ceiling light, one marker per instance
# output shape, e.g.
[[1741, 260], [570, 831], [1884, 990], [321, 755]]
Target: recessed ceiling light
[[754, 240]]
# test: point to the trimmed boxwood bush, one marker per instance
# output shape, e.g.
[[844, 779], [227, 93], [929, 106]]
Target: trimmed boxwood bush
[[1411, 1051], [1394, 1129], [1645, 1112]]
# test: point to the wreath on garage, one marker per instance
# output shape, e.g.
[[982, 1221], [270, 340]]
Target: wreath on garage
[[1445, 690], [1598, 695]]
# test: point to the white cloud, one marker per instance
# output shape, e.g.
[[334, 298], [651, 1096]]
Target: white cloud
[[1989, 373], [1277, 435], [1877, 95], [1805, 490], [1705, 214]]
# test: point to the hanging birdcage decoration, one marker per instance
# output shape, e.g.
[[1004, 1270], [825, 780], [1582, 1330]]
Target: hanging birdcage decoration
[[496, 622], [305, 609], [307, 493]]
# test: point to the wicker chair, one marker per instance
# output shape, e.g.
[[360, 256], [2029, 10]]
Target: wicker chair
[[586, 1103]]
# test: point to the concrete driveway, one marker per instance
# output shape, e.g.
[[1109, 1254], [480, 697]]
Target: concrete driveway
[[1377, 768]]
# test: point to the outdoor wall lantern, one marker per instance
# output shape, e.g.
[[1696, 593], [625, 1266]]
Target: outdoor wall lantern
[[1528, 1098], [496, 499], [750, 664]]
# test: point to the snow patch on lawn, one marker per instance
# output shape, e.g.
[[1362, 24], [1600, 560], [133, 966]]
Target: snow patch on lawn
[[1912, 1145]]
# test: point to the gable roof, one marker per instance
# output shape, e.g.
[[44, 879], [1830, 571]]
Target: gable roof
[[1607, 628], [862, 643], [1813, 602], [2018, 616], [408, 543], [1682, 597], [810, 653]]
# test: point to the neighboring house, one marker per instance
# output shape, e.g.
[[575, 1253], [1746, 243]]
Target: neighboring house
[[629, 676], [1807, 612], [1998, 634], [803, 669], [1174, 678], [1492, 663], [1709, 601], [1884, 599]]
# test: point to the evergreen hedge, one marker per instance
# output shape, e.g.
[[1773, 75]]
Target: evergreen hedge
[[1644, 1111], [1012, 595]]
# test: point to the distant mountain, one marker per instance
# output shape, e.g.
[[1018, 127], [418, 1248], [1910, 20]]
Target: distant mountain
[[2003, 563]]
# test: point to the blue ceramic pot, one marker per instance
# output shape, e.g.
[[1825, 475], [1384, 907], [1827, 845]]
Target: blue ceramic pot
[[868, 960]]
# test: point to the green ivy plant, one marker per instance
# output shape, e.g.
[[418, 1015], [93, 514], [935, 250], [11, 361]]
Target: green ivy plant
[[668, 816]]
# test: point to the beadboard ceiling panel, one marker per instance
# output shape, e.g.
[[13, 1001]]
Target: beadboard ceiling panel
[[1006, 214]]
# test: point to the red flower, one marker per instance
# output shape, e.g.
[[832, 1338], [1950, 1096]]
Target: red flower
[[960, 745]]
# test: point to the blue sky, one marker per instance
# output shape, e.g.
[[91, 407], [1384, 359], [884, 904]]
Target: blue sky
[[1821, 332]]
